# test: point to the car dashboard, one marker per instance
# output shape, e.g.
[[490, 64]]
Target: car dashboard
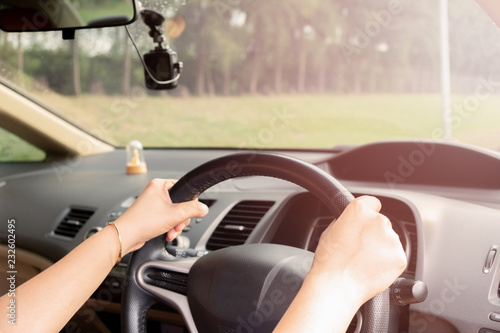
[[442, 199]]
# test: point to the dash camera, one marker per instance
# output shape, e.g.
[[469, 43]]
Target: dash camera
[[164, 66], [161, 65]]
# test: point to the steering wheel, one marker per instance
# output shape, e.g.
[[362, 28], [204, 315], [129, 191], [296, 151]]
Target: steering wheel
[[244, 288]]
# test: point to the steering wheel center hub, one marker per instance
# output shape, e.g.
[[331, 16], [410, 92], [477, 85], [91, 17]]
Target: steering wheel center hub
[[247, 287]]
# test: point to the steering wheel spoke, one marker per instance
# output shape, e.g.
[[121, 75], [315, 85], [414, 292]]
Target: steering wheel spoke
[[167, 281]]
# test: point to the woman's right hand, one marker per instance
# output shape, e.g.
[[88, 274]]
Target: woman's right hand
[[362, 247]]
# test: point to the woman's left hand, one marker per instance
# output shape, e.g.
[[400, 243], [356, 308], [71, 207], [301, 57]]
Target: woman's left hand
[[153, 214]]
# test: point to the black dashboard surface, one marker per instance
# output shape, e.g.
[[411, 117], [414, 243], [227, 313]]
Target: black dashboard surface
[[445, 198]]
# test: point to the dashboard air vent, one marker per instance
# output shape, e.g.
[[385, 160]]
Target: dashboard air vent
[[73, 222], [237, 225], [412, 233]]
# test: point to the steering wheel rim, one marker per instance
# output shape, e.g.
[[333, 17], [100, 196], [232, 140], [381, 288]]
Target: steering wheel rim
[[136, 301]]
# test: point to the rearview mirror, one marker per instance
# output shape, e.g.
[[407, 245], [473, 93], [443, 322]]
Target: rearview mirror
[[65, 15]]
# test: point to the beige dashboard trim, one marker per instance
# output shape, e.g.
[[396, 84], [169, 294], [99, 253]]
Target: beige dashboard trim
[[28, 264], [43, 129]]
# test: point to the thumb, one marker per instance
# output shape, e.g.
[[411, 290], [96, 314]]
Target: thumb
[[185, 210]]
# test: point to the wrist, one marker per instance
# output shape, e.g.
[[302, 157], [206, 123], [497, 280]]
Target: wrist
[[337, 284], [324, 303], [128, 233], [120, 244], [111, 249]]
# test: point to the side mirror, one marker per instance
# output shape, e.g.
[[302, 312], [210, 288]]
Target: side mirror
[[64, 15]]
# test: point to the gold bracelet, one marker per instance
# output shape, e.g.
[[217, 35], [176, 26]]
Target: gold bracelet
[[119, 258]]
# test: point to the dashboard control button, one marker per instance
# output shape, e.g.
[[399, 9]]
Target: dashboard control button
[[495, 316], [179, 252], [406, 291], [490, 259], [487, 330], [182, 241], [92, 231]]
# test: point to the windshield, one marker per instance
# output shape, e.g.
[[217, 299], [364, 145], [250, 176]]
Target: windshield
[[272, 74]]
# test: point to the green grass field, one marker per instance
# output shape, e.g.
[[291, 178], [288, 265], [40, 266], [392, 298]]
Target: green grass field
[[285, 121]]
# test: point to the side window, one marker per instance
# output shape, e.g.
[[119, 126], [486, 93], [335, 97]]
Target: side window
[[15, 149]]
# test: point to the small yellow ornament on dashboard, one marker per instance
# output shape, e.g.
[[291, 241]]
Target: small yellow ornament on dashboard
[[136, 163]]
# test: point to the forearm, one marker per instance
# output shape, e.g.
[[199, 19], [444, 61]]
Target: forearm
[[322, 305], [49, 300]]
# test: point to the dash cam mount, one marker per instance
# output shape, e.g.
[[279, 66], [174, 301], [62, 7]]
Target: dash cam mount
[[161, 65]]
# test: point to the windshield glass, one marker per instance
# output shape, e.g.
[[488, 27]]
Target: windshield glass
[[272, 74]]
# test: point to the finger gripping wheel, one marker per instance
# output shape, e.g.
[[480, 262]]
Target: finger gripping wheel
[[136, 301]]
